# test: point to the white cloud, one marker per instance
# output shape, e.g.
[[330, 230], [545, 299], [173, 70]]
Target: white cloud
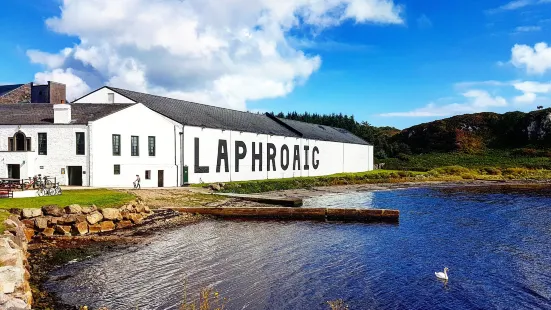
[[75, 85], [424, 22], [530, 90], [219, 52], [527, 28], [477, 101], [536, 60], [517, 4]]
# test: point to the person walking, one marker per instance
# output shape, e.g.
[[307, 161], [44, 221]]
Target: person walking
[[137, 182]]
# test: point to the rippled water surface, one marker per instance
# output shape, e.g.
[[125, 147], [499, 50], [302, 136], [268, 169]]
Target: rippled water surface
[[496, 242]]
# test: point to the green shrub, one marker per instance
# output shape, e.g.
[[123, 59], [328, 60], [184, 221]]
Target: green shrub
[[491, 171], [453, 170], [515, 171]]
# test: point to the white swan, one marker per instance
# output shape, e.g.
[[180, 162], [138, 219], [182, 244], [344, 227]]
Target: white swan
[[442, 275]]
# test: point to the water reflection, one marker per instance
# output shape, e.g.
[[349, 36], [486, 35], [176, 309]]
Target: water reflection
[[497, 245]]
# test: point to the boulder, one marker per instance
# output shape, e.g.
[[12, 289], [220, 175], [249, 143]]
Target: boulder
[[28, 222], [139, 208], [94, 217], [48, 232], [10, 253], [15, 304], [15, 211], [41, 223], [63, 229], [28, 213], [111, 214], [29, 233], [55, 220], [125, 215], [10, 278], [67, 219], [73, 209], [146, 209], [10, 224], [94, 229], [215, 187], [52, 210], [107, 226], [136, 218], [124, 224], [90, 209], [80, 229], [80, 218]]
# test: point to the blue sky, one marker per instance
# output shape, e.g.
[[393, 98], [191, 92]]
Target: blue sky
[[407, 63]]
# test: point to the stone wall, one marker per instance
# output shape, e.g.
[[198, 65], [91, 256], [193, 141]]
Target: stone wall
[[75, 220], [15, 291], [18, 95]]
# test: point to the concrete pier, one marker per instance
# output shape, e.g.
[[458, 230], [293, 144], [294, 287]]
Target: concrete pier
[[281, 201], [283, 213]]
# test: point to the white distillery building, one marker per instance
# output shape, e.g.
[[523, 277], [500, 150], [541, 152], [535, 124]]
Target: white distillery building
[[109, 136]]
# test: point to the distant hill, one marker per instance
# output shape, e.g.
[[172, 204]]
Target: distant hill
[[471, 133]]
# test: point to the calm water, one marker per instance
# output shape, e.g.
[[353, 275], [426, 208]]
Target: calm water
[[496, 242]]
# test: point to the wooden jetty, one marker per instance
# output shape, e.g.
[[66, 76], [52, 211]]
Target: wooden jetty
[[285, 213]]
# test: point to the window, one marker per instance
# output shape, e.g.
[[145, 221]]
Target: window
[[151, 145], [116, 145], [80, 143], [135, 146], [117, 169], [42, 143], [148, 174], [111, 98], [19, 143]]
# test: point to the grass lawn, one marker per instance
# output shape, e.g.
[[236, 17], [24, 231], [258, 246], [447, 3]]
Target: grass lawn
[[102, 198]]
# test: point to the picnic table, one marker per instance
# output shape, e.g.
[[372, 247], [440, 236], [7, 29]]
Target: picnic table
[[9, 183]]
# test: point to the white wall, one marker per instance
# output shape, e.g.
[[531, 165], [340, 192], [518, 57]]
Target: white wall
[[138, 121], [61, 151], [332, 157], [100, 96]]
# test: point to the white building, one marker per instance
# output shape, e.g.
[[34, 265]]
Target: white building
[[111, 135]]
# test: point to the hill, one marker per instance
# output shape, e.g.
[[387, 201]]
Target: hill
[[474, 133]]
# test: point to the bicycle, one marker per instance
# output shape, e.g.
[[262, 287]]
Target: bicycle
[[137, 185]]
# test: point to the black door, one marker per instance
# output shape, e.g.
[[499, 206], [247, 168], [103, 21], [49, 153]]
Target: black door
[[14, 171], [75, 175], [160, 178]]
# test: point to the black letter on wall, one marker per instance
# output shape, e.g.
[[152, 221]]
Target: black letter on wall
[[284, 157], [239, 154], [306, 166], [222, 155], [198, 168], [296, 158], [257, 156], [315, 163], [271, 155]]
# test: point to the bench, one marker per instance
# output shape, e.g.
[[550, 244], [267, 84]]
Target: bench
[[6, 193]]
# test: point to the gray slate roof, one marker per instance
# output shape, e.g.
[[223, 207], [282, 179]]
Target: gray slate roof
[[4, 89], [322, 132], [201, 115], [43, 113]]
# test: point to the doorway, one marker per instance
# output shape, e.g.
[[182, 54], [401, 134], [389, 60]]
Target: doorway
[[75, 175], [14, 171], [160, 178]]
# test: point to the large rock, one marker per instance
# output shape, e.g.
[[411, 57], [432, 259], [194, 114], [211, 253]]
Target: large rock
[[111, 214], [10, 224], [29, 233], [94, 217], [73, 209], [80, 218], [28, 222], [136, 218], [67, 219], [94, 229], [63, 230], [90, 209], [15, 304], [124, 224], [48, 232], [215, 187], [139, 208], [15, 211], [28, 213], [41, 223], [146, 209], [10, 278], [125, 215], [107, 226], [80, 229], [52, 210], [10, 253]]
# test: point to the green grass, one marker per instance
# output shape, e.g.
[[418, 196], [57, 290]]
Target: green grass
[[102, 198], [491, 158]]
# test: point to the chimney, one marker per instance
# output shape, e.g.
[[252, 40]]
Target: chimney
[[62, 113], [57, 92]]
